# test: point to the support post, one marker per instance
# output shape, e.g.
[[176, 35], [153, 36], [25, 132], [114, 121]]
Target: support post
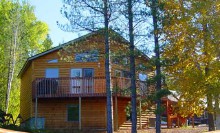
[[193, 121], [140, 113], [35, 122], [80, 120], [116, 112], [178, 121]]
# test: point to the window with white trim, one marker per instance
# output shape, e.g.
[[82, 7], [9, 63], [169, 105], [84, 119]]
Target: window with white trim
[[52, 73]]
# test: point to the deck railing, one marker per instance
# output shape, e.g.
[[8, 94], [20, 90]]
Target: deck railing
[[91, 86]]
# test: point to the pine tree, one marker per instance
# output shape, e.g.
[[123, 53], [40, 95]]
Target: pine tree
[[98, 15]]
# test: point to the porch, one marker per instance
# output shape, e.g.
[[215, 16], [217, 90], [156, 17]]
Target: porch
[[81, 86]]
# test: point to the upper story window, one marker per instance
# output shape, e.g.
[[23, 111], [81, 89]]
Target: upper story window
[[116, 60], [125, 61], [89, 56], [120, 61], [142, 77], [120, 73], [126, 74], [52, 73], [141, 67], [53, 61]]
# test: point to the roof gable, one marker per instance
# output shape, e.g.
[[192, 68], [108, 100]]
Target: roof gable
[[113, 34]]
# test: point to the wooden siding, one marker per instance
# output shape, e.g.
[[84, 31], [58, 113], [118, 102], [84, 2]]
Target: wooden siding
[[55, 113], [93, 113], [122, 103], [56, 108], [26, 94], [41, 63], [64, 67]]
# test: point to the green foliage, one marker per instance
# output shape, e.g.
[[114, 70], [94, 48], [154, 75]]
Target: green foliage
[[47, 43], [191, 32], [14, 106], [160, 110], [128, 110], [152, 98], [158, 95], [18, 17]]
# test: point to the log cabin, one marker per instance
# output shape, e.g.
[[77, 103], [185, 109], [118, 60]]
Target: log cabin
[[64, 87]]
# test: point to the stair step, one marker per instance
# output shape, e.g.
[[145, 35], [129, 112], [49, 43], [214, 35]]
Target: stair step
[[148, 113]]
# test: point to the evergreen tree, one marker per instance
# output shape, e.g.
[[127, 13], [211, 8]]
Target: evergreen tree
[[47, 43], [91, 15]]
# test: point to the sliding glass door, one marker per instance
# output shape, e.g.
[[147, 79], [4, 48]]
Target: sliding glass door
[[81, 80]]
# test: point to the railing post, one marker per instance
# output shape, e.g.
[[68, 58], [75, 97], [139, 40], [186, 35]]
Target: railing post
[[116, 111]]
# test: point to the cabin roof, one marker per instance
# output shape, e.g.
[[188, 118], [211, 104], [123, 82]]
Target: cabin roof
[[30, 59]]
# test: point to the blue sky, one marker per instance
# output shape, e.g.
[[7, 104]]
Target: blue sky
[[49, 11]]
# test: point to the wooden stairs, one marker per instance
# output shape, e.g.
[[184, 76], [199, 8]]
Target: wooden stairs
[[146, 120]]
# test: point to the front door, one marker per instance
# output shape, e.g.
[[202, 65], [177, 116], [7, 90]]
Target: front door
[[76, 80]]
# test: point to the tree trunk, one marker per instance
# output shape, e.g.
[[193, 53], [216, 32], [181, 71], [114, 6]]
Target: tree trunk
[[208, 89], [107, 71], [11, 66], [210, 114], [217, 116], [158, 71], [132, 69]]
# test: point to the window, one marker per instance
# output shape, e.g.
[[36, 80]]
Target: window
[[53, 61], [88, 72], [116, 60], [118, 73], [126, 74], [72, 113], [142, 77], [141, 67], [125, 61], [90, 56], [142, 84], [52, 73], [84, 84], [120, 61]]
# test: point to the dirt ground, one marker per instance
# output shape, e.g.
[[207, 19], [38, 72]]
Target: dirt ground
[[2, 130], [200, 129]]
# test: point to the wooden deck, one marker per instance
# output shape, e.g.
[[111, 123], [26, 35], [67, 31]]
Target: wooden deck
[[84, 87]]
